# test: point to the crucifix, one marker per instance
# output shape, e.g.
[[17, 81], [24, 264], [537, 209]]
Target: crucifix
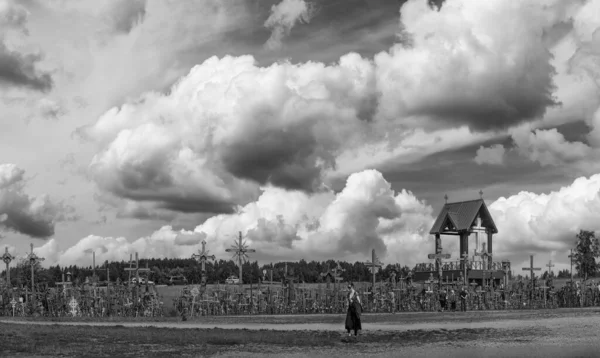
[[7, 258], [465, 262], [477, 229], [438, 262], [571, 256], [201, 257], [73, 304], [239, 250], [531, 269], [373, 265], [430, 282], [33, 260]]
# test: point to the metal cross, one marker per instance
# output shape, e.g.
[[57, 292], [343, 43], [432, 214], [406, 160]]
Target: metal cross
[[203, 255], [373, 265], [7, 258], [239, 250], [481, 194], [33, 260], [446, 198]]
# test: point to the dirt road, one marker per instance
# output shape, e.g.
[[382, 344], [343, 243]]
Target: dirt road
[[555, 333]]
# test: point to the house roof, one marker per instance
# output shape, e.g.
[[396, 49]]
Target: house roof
[[460, 216]]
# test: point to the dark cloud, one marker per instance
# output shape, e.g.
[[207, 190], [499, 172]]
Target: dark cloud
[[125, 14], [286, 159], [20, 70]]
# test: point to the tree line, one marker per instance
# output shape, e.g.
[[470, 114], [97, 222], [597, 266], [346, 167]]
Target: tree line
[[585, 253]]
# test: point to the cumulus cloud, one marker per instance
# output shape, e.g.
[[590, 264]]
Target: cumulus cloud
[[531, 223], [216, 138], [284, 16], [548, 147], [19, 212], [493, 155], [288, 224], [16, 68]]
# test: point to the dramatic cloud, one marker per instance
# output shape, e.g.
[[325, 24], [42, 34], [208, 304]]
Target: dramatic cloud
[[531, 223], [548, 147], [16, 68], [493, 155], [216, 138], [21, 213], [284, 16], [285, 224]]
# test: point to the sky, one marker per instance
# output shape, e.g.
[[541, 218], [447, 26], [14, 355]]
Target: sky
[[318, 128]]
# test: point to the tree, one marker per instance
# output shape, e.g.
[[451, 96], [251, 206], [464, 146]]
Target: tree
[[586, 251]]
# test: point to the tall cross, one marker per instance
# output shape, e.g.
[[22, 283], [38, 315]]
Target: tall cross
[[373, 265], [446, 198], [240, 250], [465, 260], [571, 256], [477, 229], [7, 258], [137, 270], [438, 258], [486, 259], [33, 260], [337, 272], [550, 265], [64, 284], [202, 256], [531, 269]]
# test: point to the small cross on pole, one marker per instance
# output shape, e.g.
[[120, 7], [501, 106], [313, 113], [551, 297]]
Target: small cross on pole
[[7, 258], [373, 265], [240, 250], [446, 198], [201, 257], [481, 194]]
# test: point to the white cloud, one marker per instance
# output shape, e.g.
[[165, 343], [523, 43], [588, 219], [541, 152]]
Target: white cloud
[[493, 155], [548, 147], [285, 224], [284, 16], [531, 223]]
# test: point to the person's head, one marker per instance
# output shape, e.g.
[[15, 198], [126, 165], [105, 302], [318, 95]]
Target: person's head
[[350, 286]]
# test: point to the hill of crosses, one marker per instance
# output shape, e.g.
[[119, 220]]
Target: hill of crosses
[[474, 281]]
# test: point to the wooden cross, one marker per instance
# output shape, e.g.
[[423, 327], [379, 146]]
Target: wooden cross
[[240, 250], [430, 281], [33, 260], [203, 255], [550, 265], [439, 257], [13, 303], [531, 269], [63, 283], [337, 273], [7, 258], [486, 256], [465, 260], [137, 270], [373, 265], [571, 256]]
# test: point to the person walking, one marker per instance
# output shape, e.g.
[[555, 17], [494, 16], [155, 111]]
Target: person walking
[[354, 310], [463, 300]]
